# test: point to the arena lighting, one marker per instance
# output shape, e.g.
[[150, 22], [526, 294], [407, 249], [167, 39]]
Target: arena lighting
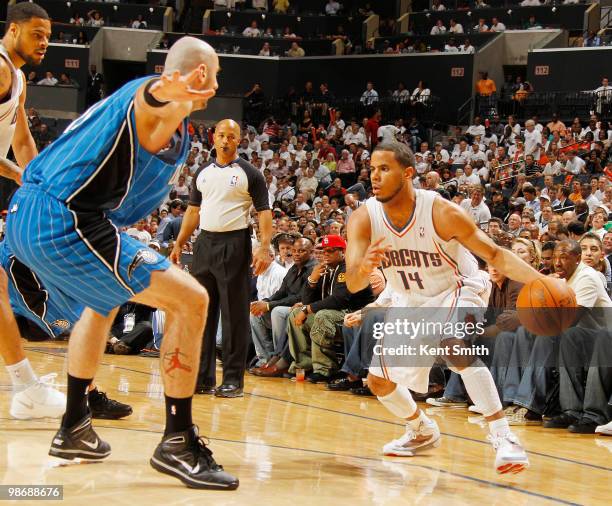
[[115, 7], [151, 10], [299, 19], [68, 4], [469, 13], [263, 16], [229, 14], [509, 12], [427, 15], [554, 9]]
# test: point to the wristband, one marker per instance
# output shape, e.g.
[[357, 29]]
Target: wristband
[[149, 98], [311, 281], [304, 310]]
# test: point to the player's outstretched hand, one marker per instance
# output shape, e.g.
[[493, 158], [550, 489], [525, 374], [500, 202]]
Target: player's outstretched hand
[[374, 256], [261, 261], [175, 255], [182, 88]]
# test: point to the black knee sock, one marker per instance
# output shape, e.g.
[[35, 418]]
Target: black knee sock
[[76, 402], [178, 415]]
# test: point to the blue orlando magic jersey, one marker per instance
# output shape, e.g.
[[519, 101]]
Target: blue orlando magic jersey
[[97, 164]]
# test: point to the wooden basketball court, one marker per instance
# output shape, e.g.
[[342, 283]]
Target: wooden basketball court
[[292, 444]]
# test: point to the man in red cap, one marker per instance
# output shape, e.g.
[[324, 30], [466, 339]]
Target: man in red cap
[[312, 327]]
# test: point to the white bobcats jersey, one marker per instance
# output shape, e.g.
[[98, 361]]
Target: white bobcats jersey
[[421, 266], [8, 108]]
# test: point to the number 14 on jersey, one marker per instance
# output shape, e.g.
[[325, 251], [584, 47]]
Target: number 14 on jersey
[[409, 277]]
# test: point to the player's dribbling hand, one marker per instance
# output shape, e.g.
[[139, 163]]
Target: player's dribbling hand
[[374, 256], [261, 261], [182, 88], [175, 255]]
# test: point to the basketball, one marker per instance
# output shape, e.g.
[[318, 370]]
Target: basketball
[[546, 307]]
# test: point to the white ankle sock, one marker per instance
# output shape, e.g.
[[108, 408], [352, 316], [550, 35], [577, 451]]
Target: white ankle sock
[[22, 375], [416, 422], [499, 427], [399, 402]]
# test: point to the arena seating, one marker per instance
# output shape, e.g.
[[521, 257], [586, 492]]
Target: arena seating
[[252, 45], [434, 42], [114, 14], [569, 17], [307, 26]]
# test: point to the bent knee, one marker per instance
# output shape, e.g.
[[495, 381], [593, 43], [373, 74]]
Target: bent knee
[[380, 386], [192, 299]]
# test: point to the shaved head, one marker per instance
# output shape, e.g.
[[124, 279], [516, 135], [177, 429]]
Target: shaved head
[[188, 53], [227, 139], [229, 124]]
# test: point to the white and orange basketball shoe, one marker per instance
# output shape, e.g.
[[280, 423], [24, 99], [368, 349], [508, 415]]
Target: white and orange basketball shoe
[[510, 456], [414, 441]]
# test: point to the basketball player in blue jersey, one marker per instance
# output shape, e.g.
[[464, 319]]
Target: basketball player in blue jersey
[[422, 243], [28, 29], [110, 168], [26, 41]]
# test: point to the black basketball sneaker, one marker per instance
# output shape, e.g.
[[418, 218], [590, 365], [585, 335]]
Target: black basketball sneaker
[[79, 441], [104, 408], [185, 456]]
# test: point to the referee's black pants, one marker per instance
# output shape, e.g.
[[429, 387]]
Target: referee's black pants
[[221, 263]]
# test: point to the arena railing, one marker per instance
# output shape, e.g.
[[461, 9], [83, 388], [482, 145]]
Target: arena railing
[[434, 42], [567, 105], [239, 44], [425, 111]]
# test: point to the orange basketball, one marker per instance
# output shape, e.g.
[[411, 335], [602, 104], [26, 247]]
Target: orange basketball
[[546, 307]]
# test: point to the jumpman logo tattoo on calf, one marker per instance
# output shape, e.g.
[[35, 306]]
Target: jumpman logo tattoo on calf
[[173, 361]]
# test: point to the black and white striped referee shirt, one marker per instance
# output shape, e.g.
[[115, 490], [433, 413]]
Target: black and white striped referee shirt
[[225, 193]]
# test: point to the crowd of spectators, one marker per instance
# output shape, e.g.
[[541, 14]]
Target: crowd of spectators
[[43, 131], [49, 79], [94, 18], [309, 108], [534, 188], [94, 85], [531, 187]]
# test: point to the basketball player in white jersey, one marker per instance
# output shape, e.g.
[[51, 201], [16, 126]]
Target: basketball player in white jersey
[[25, 42], [428, 238]]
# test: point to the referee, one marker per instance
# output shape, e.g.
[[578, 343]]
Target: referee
[[222, 192]]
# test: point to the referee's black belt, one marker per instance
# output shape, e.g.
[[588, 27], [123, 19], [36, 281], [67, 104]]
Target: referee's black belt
[[231, 233]]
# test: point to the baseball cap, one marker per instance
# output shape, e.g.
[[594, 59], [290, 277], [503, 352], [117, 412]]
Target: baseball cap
[[333, 241], [545, 197], [519, 201]]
